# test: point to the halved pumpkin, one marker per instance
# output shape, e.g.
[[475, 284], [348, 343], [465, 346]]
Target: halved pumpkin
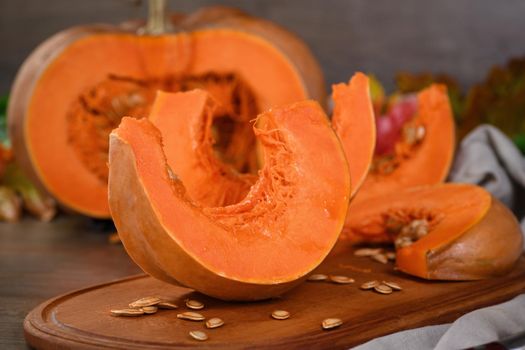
[[423, 155], [255, 249], [353, 121], [74, 88], [445, 232]]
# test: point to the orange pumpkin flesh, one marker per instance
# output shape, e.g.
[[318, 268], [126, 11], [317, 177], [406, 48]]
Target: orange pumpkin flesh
[[73, 90], [426, 163], [185, 121], [254, 249], [353, 121], [470, 236]]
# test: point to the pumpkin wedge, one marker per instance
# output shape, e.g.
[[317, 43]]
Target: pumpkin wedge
[[423, 155], [444, 232], [353, 121], [185, 121], [75, 87], [255, 249]]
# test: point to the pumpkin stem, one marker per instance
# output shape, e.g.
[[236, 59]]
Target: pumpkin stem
[[158, 20]]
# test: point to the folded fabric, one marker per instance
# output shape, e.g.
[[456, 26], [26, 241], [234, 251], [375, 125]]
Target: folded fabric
[[488, 158]]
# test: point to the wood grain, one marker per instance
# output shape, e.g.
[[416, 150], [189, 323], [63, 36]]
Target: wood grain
[[81, 319]]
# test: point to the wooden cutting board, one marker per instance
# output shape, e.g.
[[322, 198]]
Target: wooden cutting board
[[81, 319]]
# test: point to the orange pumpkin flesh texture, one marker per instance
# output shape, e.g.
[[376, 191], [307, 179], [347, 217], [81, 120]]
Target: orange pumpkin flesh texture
[[185, 121], [471, 234], [353, 121], [254, 249], [426, 163], [75, 87]]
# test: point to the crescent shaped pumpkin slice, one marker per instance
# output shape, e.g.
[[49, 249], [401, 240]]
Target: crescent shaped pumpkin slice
[[185, 121], [353, 121], [255, 249], [445, 232], [423, 162]]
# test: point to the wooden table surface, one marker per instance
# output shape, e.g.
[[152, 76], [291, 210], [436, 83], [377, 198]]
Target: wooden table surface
[[41, 260]]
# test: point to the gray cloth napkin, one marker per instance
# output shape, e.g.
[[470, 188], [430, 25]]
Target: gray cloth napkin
[[488, 158]]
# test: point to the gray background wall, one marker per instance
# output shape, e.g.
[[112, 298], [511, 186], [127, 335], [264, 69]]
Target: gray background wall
[[460, 37]]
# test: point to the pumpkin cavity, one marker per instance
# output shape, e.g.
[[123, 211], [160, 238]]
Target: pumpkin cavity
[[99, 109], [400, 134]]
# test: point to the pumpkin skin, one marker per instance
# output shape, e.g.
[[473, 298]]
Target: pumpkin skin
[[255, 249], [471, 234], [353, 121], [428, 163], [81, 73]]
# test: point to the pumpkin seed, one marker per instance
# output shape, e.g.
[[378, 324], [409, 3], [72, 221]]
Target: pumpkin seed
[[166, 305], [127, 312], [392, 285], [198, 335], [192, 316], [369, 284], [420, 132], [383, 289], [316, 277], [149, 309], [341, 279], [280, 314], [330, 323], [390, 255], [380, 258], [147, 301], [194, 304], [214, 322], [367, 251]]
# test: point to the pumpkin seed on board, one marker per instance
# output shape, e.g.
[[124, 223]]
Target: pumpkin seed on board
[[166, 305], [341, 279], [383, 289], [198, 335], [280, 314], [390, 255], [194, 304], [369, 285], [149, 309], [367, 251], [214, 322], [127, 312], [330, 323], [317, 277], [147, 301], [380, 258], [192, 316], [392, 285]]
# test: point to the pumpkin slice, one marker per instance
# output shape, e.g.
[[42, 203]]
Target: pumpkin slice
[[254, 249], [445, 232], [75, 87], [423, 155], [185, 121], [353, 121]]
